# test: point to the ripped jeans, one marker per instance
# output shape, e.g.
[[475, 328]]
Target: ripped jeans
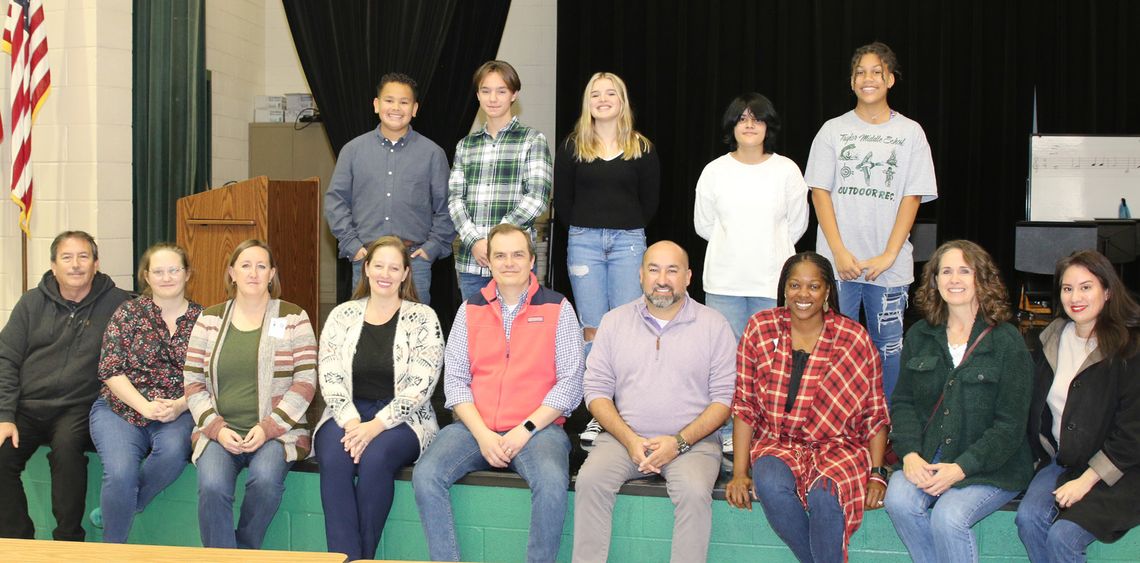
[[884, 308], [603, 265]]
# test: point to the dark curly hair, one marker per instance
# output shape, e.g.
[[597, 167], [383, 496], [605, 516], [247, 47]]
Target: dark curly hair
[[1117, 324], [881, 50], [399, 78], [990, 291]]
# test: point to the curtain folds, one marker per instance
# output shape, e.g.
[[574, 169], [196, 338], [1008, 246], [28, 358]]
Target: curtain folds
[[171, 140], [346, 45], [968, 74]]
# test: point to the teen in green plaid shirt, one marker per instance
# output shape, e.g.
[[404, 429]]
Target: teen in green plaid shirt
[[501, 174]]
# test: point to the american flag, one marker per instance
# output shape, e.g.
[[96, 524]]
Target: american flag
[[25, 39]]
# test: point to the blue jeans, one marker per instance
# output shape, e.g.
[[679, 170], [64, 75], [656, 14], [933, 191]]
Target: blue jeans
[[603, 266], [470, 284], [1046, 537], [217, 477], [944, 532], [884, 308], [543, 463], [421, 276], [138, 463], [738, 309], [358, 497], [813, 535]]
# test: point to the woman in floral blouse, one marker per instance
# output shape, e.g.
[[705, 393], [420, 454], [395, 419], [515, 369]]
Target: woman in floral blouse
[[139, 424]]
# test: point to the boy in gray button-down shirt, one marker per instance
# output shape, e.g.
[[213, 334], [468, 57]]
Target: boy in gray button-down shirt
[[392, 181]]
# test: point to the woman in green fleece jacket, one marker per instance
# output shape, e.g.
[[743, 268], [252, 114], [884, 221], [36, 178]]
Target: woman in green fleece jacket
[[960, 407]]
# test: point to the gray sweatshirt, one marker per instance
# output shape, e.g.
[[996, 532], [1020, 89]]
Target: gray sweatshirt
[[49, 350], [661, 379]]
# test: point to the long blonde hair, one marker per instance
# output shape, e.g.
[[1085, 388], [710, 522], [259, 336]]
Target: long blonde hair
[[587, 145]]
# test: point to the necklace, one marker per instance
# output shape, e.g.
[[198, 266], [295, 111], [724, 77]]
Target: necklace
[[876, 116]]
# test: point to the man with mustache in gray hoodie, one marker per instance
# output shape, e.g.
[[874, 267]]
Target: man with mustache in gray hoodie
[[49, 356]]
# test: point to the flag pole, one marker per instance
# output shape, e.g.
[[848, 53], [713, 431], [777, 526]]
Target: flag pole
[[23, 261]]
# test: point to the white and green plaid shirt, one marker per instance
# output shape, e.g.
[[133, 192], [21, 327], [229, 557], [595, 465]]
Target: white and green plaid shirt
[[505, 179]]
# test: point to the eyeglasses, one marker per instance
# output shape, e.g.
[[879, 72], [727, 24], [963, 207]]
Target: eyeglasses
[[158, 273]]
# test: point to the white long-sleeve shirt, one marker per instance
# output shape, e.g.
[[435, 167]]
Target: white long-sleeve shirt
[[752, 215]]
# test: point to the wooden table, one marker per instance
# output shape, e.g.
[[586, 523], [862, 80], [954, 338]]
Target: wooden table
[[51, 551]]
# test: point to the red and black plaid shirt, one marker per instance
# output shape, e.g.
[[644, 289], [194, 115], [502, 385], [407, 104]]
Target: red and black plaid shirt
[[838, 409]]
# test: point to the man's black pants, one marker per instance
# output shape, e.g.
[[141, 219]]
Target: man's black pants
[[67, 434]]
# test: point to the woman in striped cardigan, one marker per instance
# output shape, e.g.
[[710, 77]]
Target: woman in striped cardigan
[[250, 374]]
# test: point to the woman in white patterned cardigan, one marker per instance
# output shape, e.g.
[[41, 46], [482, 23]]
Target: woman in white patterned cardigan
[[380, 359], [250, 375]]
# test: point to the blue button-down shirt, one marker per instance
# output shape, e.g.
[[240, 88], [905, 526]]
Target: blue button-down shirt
[[383, 188]]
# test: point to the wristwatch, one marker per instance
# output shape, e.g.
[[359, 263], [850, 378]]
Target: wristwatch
[[880, 471], [530, 427], [682, 444]]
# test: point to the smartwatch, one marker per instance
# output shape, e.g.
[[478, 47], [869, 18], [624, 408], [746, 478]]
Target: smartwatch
[[530, 427]]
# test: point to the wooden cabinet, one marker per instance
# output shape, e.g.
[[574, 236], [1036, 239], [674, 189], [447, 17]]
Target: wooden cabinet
[[281, 151]]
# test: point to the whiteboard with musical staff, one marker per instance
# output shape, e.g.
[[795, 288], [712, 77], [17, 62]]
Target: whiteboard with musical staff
[[1081, 177]]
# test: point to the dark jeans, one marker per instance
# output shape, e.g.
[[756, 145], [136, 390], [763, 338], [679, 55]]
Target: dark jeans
[[358, 497], [67, 435]]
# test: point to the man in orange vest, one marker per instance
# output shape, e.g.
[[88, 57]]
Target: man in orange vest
[[513, 374]]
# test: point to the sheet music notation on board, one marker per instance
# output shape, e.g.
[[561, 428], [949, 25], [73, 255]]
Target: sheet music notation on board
[[1125, 163], [1081, 177]]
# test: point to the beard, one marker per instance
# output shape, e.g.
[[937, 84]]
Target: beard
[[662, 301]]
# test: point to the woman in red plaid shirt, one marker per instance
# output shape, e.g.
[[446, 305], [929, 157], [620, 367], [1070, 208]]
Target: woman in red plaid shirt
[[809, 399]]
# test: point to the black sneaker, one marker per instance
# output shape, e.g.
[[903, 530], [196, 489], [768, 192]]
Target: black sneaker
[[587, 437]]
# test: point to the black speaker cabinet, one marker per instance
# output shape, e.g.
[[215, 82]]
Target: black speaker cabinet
[[1039, 244]]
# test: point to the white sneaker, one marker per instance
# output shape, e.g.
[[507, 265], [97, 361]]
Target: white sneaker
[[726, 445], [587, 437]]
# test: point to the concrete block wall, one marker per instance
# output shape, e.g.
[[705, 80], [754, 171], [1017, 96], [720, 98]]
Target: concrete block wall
[[81, 145], [82, 139], [283, 72], [492, 524], [530, 41], [235, 58]]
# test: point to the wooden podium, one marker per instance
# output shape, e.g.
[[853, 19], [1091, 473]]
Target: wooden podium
[[283, 213]]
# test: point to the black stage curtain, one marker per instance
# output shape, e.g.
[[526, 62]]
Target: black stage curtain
[[969, 71], [346, 45]]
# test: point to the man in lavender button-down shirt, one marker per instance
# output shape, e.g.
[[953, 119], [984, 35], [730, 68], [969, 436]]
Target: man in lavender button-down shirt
[[660, 380]]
